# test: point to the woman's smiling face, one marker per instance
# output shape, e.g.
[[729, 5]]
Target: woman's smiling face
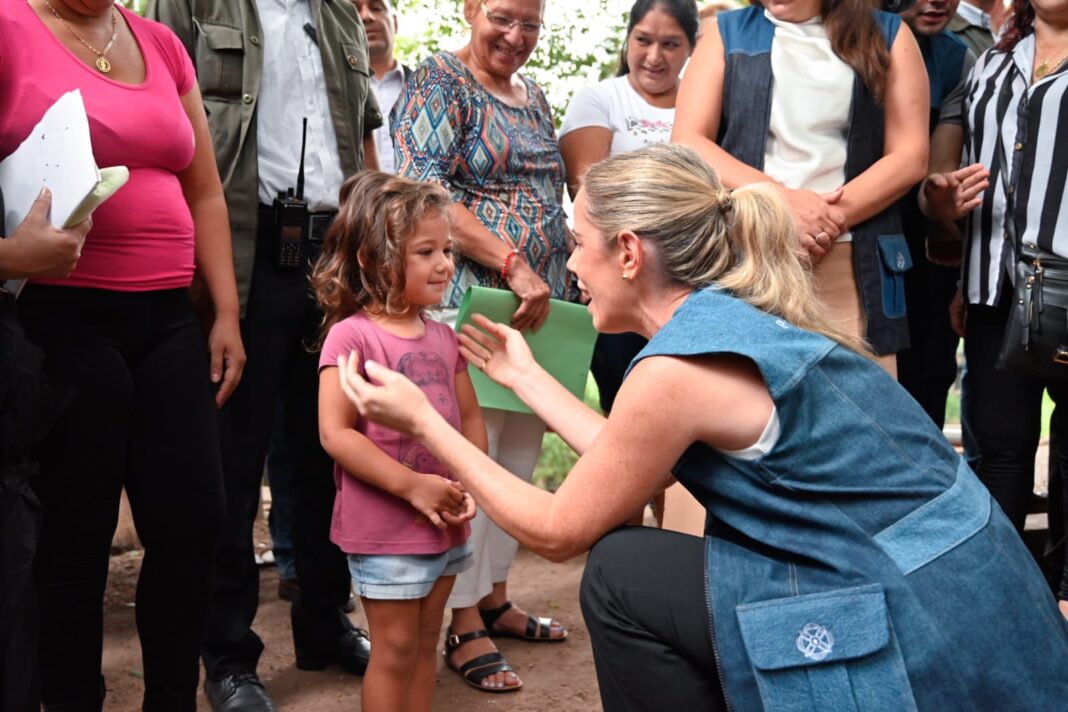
[[599, 273], [657, 49], [501, 52]]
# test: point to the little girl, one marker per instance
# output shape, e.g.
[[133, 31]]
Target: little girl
[[398, 514]]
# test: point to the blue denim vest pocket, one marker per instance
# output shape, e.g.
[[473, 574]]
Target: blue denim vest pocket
[[895, 260], [826, 651]]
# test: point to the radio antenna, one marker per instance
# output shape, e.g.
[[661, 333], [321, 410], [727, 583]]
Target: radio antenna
[[300, 173]]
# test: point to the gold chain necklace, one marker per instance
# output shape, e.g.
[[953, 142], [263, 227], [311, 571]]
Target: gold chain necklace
[[1045, 65], [102, 62]]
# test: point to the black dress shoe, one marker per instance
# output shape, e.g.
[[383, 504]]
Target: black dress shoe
[[289, 590], [240, 692], [351, 651]]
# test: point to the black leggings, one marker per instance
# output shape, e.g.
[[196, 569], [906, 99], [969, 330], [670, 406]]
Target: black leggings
[[142, 418], [643, 600]]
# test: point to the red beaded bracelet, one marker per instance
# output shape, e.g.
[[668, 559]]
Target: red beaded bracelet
[[508, 263]]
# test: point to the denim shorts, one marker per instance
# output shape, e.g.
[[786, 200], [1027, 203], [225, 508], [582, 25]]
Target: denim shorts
[[405, 576]]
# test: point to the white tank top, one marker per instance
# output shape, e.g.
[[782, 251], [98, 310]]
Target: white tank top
[[811, 97]]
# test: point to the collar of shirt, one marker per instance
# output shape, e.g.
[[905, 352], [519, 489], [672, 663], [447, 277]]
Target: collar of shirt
[[293, 87], [393, 76], [1023, 56], [974, 16]]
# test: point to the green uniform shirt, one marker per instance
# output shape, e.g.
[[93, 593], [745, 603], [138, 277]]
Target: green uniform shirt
[[225, 41]]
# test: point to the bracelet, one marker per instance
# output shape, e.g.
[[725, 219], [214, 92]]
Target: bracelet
[[508, 263]]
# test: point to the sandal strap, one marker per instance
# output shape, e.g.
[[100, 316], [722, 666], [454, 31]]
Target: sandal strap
[[478, 669], [492, 615], [539, 627], [454, 641], [494, 659]]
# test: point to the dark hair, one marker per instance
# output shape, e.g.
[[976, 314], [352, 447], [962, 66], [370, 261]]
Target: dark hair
[[856, 39], [684, 13], [1019, 23], [362, 263]]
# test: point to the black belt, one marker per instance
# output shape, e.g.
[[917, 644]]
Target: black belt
[[318, 222]]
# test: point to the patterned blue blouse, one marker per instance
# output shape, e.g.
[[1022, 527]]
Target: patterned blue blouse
[[501, 162]]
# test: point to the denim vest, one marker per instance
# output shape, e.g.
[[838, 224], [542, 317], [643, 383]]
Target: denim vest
[[859, 565], [880, 255]]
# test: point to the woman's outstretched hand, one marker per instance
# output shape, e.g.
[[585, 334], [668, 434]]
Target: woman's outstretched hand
[[496, 349], [391, 399], [951, 196]]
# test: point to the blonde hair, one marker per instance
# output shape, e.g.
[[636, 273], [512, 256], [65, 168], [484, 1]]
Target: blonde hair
[[742, 240], [363, 257]]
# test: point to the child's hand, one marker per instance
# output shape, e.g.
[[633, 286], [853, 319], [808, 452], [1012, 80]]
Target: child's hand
[[431, 494], [463, 514]]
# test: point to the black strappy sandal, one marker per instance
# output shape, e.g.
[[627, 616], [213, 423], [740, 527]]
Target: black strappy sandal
[[475, 670], [539, 630]]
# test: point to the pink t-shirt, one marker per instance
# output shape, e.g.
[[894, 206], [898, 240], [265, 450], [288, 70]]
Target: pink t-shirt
[[368, 520], [142, 237]]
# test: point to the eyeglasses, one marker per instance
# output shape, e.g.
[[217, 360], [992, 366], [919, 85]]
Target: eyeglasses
[[504, 23]]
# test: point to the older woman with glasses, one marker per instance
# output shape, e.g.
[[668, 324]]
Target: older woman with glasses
[[470, 121]]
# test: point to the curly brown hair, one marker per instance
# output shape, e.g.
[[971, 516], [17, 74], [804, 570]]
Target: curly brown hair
[[362, 262]]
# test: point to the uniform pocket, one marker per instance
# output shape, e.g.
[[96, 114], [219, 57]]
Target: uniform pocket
[[220, 56], [826, 651], [894, 260]]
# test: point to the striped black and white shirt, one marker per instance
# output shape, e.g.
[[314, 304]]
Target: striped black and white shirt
[[1011, 127]]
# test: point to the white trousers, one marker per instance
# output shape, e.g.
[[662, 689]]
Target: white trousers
[[514, 443]]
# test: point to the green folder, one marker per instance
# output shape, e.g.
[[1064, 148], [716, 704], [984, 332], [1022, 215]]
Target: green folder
[[563, 345]]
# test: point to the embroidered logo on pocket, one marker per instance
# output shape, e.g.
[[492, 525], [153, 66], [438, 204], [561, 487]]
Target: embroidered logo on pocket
[[815, 641]]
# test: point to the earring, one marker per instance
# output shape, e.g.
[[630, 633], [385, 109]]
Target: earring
[[626, 277]]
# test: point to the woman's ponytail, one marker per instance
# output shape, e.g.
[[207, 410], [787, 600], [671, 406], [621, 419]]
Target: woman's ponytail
[[742, 240], [771, 271]]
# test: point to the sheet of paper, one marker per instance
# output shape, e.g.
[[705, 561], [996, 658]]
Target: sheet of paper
[[563, 345], [57, 154]]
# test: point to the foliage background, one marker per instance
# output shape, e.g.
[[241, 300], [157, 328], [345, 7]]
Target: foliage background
[[580, 44]]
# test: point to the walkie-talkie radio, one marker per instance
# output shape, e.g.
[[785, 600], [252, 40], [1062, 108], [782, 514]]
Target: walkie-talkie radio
[[291, 217]]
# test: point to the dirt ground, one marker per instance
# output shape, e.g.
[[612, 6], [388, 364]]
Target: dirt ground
[[557, 676]]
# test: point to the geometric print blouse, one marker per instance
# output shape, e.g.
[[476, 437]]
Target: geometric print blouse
[[501, 162]]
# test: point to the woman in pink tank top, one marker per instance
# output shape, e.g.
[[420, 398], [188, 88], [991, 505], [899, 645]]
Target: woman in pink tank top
[[120, 336]]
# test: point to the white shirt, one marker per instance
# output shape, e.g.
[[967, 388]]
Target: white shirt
[[615, 105], [386, 91], [293, 87], [974, 16], [811, 98]]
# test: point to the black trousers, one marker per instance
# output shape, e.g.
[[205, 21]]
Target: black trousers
[[142, 418], [928, 367], [643, 600], [612, 354], [22, 395], [281, 322], [1005, 414]]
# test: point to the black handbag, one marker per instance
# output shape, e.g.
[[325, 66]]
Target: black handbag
[[1036, 334]]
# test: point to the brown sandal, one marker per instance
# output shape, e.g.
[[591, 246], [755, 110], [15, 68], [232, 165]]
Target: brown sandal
[[539, 630], [477, 669]]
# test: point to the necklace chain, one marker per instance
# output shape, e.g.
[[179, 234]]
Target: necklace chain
[[102, 62], [1045, 65]]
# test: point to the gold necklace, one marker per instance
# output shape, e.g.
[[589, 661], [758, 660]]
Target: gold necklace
[[102, 62], [1045, 66]]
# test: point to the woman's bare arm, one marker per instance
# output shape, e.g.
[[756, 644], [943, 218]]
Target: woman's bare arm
[[906, 138], [666, 405]]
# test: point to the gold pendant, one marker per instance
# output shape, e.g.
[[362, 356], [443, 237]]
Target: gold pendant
[[103, 64]]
